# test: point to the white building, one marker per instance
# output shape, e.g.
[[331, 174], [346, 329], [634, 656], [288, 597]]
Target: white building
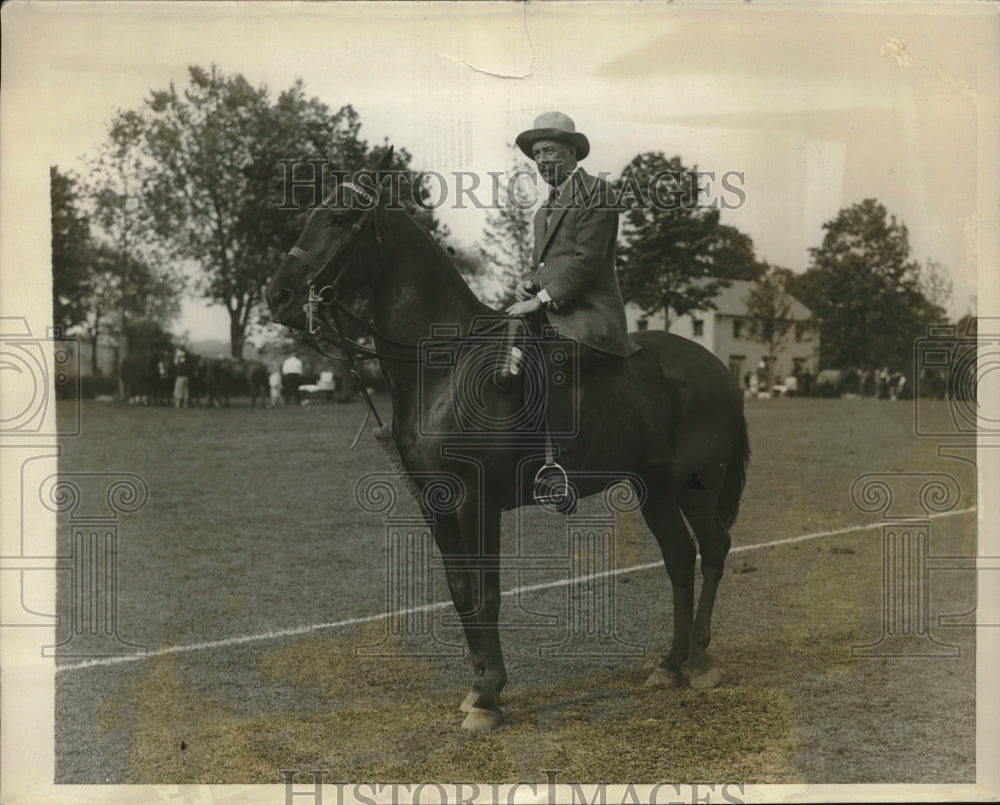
[[725, 332]]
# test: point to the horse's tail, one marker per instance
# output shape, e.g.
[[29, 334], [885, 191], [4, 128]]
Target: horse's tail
[[736, 477]]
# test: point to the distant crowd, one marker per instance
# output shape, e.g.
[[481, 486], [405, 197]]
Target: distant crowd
[[182, 379], [871, 383]]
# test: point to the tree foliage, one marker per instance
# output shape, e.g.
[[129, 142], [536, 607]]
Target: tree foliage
[[675, 256], [117, 284], [865, 290], [229, 175], [102, 274], [132, 279], [71, 244], [935, 284], [768, 308]]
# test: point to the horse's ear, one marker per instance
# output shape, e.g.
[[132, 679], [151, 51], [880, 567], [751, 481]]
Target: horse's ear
[[385, 161], [382, 175]]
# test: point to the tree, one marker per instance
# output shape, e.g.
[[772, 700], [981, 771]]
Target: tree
[[128, 275], [100, 285], [768, 306], [71, 246], [509, 233], [204, 165], [864, 288], [935, 284], [968, 325], [220, 157], [119, 292], [674, 255]]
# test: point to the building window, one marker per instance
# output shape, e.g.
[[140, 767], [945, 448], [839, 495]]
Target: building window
[[699, 327], [642, 324], [737, 328]]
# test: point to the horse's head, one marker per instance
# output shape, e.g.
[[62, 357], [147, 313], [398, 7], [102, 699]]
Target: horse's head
[[330, 252]]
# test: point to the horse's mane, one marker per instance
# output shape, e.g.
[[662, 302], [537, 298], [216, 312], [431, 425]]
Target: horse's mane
[[452, 275]]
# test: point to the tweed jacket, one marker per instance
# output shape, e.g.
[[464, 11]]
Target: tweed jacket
[[574, 261]]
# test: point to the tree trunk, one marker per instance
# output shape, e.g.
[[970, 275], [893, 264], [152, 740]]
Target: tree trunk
[[237, 335], [94, 370], [119, 356]]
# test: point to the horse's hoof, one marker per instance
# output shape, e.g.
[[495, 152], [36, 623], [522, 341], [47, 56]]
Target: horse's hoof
[[480, 719], [663, 678], [468, 702], [704, 674]]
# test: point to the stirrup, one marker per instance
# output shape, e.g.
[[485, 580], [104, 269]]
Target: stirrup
[[551, 488]]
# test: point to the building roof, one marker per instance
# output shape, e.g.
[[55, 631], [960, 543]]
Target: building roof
[[731, 301]]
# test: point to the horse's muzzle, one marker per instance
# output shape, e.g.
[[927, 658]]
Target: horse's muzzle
[[286, 308]]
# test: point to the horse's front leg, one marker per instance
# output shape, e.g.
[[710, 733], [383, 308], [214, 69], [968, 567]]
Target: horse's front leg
[[469, 544]]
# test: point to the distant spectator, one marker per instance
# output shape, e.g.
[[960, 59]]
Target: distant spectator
[[883, 383], [182, 378], [762, 376], [806, 382], [897, 386], [274, 383], [291, 376]]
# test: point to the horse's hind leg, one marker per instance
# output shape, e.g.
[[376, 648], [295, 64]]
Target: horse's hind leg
[[663, 516], [700, 508]]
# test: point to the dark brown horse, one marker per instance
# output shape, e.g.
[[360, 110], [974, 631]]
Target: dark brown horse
[[671, 416]]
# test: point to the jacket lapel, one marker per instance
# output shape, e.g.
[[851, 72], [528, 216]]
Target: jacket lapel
[[540, 241], [565, 194]]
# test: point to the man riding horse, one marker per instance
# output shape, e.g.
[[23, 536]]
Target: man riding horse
[[669, 420], [573, 287]]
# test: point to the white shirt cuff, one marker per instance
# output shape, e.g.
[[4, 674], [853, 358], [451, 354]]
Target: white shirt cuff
[[544, 298]]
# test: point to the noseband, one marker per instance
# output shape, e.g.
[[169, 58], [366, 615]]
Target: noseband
[[328, 291]]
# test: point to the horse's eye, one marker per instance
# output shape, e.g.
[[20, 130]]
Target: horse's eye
[[337, 219], [333, 233]]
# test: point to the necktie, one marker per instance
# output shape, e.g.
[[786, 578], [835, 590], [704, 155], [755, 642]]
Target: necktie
[[550, 204]]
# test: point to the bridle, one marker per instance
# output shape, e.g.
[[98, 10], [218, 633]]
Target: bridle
[[324, 309], [328, 293], [318, 302]]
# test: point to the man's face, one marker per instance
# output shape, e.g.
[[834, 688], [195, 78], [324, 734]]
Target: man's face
[[555, 160]]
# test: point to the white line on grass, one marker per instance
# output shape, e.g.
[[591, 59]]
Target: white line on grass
[[528, 588]]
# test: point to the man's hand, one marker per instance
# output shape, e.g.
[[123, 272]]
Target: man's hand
[[524, 290], [526, 307]]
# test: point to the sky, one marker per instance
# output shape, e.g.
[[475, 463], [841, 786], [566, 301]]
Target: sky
[[819, 107]]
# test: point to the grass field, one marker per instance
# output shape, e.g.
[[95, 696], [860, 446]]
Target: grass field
[[252, 532]]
